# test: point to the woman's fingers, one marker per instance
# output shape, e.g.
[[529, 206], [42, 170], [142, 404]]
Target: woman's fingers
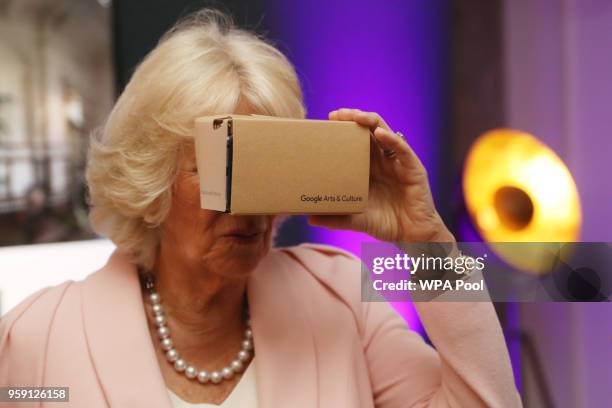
[[343, 114], [384, 137], [388, 140], [371, 120]]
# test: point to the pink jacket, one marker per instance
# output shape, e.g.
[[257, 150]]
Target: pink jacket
[[317, 344]]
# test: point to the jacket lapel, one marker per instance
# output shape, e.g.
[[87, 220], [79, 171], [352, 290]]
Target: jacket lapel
[[124, 356], [284, 344], [116, 330]]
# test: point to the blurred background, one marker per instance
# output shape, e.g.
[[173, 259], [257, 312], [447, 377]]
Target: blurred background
[[532, 76]]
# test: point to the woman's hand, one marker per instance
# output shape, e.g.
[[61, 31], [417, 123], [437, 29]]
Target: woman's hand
[[400, 206]]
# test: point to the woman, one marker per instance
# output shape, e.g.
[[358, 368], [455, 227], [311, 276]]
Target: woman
[[219, 315]]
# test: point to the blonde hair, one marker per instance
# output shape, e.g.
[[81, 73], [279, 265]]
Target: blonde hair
[[202, 66]]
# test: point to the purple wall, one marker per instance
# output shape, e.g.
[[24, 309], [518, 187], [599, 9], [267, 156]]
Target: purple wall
[[388, 57]]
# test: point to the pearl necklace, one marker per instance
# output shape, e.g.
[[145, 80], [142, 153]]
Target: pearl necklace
[[173, 357]]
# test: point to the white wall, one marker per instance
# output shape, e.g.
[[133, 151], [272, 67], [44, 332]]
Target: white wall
[[25, 269]]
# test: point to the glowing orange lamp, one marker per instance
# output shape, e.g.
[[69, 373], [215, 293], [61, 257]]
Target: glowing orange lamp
[[518, 190]]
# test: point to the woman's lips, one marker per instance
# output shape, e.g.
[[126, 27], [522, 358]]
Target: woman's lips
[[244, 236]]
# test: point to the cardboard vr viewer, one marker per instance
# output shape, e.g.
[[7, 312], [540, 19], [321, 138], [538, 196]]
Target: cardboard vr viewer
[[254, 164]]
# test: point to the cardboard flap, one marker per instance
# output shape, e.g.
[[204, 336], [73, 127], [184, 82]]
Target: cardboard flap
[[211, 136]]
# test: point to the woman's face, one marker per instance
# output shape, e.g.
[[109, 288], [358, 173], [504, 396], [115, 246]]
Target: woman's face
[[224, 244]]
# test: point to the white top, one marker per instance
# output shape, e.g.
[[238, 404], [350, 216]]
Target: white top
[[244, 394]]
